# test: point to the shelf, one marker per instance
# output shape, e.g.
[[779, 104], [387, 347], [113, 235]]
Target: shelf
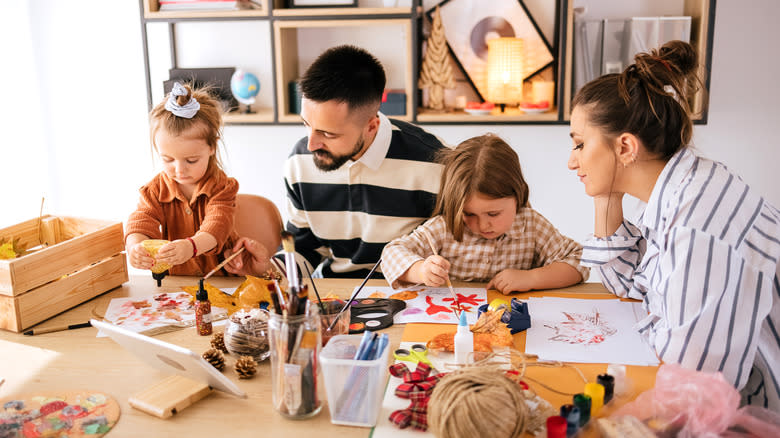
[[325, 12], [288, 60], [261, 115], [510, 115], [152, 12]]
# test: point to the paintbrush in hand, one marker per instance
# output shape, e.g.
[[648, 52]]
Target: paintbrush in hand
[[354, 294], [449, 284], [224, 262]]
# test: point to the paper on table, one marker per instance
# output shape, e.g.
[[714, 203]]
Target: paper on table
[[587, 331], [154, 313], [430, 304]]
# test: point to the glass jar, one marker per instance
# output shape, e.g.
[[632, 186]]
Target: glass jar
[[247, 334], [295, 345]]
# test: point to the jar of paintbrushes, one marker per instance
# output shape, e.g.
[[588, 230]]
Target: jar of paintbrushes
[[295, 343]]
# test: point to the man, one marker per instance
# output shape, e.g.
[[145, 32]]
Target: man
[[359, 179]]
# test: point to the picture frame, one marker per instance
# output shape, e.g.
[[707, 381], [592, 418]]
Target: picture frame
[[322, 3], [468, 24]]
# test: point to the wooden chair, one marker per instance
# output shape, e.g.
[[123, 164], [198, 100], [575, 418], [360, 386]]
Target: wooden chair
[[258, 218]]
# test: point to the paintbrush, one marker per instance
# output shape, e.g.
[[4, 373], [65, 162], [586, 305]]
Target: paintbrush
[[319, 300], [278, 267], [224, 262], [288, 244], [354, 294], [449, 284]]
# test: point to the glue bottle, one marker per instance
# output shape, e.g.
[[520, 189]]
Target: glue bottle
[[202, 311], [464, 341]]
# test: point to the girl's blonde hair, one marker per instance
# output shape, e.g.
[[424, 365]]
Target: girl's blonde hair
[[205, 124], [485, 165]]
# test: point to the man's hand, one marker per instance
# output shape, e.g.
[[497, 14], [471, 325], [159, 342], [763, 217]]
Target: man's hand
[[255, 259]]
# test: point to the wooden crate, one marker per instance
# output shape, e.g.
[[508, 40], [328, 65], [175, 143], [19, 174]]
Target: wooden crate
[[70, 260]]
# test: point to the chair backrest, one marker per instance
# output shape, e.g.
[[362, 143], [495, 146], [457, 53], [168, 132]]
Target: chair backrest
[[258, 218]]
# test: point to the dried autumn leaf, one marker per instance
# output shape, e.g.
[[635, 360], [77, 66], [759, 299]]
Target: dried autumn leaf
[[216, 296], [7, 251]]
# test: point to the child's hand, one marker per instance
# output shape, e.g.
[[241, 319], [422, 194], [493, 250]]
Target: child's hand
[[254, 260], [139, 257], [432, 271], [176, 252], [512, 280]]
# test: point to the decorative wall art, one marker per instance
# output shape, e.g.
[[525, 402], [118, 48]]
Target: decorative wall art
[[468, 24]]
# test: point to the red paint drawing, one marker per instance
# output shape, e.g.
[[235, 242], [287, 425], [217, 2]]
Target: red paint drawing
[[582, 329], [434, 308]]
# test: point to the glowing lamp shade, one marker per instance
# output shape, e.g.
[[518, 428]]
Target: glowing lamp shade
[[505, 70]]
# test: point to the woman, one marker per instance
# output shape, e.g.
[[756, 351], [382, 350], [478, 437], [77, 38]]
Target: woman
[[703, 256]]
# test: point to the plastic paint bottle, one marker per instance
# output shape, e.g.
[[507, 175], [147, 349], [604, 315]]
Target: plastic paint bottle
[[464, 341], [202, 311]]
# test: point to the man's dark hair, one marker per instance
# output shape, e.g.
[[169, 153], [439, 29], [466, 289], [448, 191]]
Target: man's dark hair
[[345, 74]]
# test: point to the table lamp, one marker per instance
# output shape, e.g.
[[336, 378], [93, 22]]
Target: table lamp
[[505, 71]]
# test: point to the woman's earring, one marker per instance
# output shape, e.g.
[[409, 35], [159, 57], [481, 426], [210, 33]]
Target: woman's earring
[[633, 158]]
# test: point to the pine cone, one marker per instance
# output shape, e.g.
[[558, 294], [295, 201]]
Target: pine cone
[[246, 367], [218, 342], [215, 358]]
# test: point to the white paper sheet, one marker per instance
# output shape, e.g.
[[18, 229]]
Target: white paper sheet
[[430, 304], [587, 331]]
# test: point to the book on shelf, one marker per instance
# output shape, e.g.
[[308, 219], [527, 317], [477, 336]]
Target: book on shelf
[[207, 5]]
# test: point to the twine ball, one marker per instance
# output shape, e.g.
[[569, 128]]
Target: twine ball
[[475, 401]]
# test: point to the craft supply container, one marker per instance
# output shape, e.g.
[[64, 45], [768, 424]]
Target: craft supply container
[[341, 326], [247, 334], [68, 261], [295, 345], [355, 388]]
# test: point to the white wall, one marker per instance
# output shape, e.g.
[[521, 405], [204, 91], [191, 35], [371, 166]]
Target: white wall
[[75, 129]]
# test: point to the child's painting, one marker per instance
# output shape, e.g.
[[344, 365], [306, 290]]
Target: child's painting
[[148, 314], [431, 304], [71, 415], [587, 331]]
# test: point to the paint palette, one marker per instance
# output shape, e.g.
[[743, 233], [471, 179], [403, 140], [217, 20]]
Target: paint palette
[[373, 314], [70, 414]]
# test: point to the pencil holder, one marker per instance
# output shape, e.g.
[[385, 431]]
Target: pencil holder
[[295, 344], [355, 388]]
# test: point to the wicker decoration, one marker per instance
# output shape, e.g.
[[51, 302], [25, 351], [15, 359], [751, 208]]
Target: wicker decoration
[[436, 71], [218, 342], [215, 358], [246, 367]]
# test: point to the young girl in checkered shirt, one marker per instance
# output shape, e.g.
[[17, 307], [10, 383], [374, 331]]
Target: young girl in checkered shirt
[[484, 230]]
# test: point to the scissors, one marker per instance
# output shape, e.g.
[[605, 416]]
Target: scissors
[[418, 353]]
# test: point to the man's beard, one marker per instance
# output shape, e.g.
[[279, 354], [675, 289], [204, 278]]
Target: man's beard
[[327, 162]]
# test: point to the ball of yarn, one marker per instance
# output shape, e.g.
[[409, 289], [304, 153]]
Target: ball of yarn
[[477, 401]]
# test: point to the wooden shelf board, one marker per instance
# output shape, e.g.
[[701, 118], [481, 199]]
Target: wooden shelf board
[[206, 14], [261, 115], [509, 115], [313, 12]]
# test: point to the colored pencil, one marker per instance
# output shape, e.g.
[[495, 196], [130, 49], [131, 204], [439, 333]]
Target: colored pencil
[[224, 262], [449, 284]]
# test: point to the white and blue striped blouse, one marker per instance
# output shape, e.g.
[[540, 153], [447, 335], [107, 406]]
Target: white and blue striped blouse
[[704, 259]]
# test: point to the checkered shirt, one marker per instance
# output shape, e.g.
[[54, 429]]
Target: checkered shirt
[[531, 242]]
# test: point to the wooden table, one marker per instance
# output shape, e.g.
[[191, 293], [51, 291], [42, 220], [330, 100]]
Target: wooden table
[[77, 360]]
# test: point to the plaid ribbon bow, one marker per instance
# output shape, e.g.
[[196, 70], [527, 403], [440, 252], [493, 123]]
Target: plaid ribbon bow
[[417, 387]]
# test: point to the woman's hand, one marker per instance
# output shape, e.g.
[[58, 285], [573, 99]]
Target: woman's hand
[[139, 257], [512, 280], [255, 259], [176, 252]]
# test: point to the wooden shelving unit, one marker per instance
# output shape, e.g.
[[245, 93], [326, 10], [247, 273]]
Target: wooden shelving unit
[[287, 23]]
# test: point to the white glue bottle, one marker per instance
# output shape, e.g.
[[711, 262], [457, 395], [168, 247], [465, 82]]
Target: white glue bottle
[[464, 341]]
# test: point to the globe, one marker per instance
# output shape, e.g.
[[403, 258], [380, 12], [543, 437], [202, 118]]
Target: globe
[[244, 86]]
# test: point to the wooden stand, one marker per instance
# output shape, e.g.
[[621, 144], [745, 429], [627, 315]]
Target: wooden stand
[[169, 396]]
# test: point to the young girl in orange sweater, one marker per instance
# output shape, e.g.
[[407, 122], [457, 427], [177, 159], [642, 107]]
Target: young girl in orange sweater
[[192, 201]]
